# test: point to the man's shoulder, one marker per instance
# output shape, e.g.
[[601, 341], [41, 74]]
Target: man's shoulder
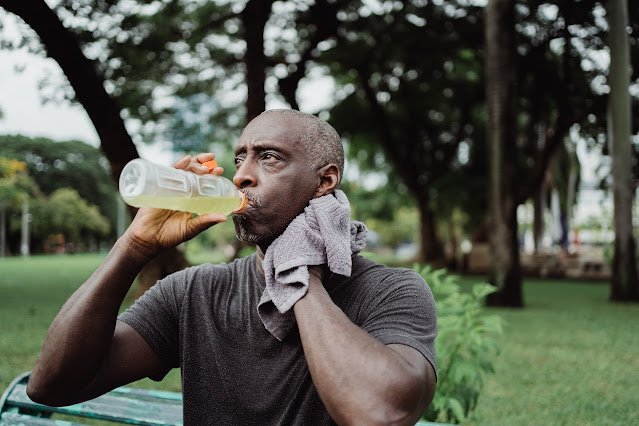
[[365, 267], [235, 264], [209, 272]]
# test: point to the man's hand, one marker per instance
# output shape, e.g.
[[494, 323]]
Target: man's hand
[[155, 229]]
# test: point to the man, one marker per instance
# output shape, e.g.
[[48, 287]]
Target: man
[[362, 351]]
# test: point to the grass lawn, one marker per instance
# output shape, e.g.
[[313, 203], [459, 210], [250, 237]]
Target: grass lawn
[[569, 358]]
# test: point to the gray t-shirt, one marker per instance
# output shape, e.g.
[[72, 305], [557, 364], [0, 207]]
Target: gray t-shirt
[[205, 321]]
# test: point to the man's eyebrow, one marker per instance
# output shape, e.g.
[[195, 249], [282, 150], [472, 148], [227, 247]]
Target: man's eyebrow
[[260, 147]]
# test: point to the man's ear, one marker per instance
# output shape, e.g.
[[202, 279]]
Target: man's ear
[[329, 179]]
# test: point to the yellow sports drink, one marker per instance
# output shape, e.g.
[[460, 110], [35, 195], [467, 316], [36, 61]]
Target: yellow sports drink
[[199, 205], [145, 184]]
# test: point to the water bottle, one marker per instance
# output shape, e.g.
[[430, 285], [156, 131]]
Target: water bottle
[[145, 184]]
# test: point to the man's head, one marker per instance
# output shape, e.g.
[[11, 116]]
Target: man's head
[[284, 158]]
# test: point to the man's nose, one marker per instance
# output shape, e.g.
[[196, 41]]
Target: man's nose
[[244, 175]]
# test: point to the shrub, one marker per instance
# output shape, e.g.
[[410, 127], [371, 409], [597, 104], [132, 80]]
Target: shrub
[[465, 345]]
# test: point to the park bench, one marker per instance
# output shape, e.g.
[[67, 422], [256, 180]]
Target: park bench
[[125, 405], [122, 405]]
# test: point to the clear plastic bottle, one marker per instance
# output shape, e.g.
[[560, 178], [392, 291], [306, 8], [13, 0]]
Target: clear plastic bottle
[[145, 184]]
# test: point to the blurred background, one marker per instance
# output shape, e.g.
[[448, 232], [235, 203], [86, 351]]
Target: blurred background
[[496, 139]]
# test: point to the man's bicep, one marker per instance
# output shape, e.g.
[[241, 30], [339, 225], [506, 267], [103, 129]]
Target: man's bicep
[[129, 358]]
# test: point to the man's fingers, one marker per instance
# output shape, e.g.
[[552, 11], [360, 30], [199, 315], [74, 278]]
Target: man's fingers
[[204, 157], [196, 164], [183, 163], [202, 223]]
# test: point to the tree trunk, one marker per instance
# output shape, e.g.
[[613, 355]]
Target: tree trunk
[[624, 284], [254, 17], [431, 247], [501, 137], [3, 229], [539, 206], [453, 261], [117, 145], [541, 192]]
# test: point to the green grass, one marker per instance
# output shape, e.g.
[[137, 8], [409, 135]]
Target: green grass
[[569, 358], [32, 290]]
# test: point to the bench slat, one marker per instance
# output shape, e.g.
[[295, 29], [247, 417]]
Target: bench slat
[[15, 419], [148, 394], [107, 407]]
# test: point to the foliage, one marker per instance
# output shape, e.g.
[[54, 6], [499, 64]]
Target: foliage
[[465, 346], [387, 210], [9, 167], [65, 164], [402, 229], [66, 213], [15, 183]]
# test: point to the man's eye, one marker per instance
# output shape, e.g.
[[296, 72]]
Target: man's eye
[[238, 160], [268, 156]]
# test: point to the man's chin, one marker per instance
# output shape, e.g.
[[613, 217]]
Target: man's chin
[[241, 231], [245, 233]]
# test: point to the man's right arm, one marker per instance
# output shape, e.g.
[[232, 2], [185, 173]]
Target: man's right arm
[[87, 351], [84, 351]]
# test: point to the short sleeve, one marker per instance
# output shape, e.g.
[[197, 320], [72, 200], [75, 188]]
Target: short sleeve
[[402, 310], [155, 316]]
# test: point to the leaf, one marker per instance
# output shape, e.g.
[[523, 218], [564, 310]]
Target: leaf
[[457, 409]]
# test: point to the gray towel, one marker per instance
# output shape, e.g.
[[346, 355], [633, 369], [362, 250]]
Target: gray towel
[[322, 234]]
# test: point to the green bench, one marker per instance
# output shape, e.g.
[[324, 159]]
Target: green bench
[[122, 405]]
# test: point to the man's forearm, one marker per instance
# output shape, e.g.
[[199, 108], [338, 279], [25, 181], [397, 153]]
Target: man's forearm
[[79, 337], [359, 379]]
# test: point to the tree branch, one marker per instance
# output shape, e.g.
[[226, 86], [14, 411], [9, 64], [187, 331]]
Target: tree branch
[[323, 15], [61, 45]]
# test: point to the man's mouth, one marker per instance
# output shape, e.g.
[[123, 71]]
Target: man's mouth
[[251, 203], [251, 200]]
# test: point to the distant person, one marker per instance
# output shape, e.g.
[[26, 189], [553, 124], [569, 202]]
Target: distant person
[[303, 332]]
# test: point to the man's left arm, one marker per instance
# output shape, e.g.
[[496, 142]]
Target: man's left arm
[[359, 379]]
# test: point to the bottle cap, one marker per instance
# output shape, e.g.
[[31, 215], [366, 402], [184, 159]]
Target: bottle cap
[[211, 164], [243, 202]]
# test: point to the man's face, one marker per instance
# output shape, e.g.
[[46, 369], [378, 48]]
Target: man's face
[[272, 169]]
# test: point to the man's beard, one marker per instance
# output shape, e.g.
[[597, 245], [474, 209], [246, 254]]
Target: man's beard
[[251, 229], [242, 231], [245, 232]]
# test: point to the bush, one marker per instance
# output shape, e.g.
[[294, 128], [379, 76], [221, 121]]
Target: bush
[[465, 345]]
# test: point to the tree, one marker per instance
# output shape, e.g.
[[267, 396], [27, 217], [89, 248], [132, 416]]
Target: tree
[[68, 214], [15, 187], [88, 86], [396, 107], [624, 285], [89, 90], [71, 164], [418, 108], [501, 137]]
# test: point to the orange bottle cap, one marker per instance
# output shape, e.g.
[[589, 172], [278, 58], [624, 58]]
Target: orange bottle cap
[[243, 202], [211, 164]]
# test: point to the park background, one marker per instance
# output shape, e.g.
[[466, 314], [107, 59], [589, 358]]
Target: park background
[[404, 83]]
